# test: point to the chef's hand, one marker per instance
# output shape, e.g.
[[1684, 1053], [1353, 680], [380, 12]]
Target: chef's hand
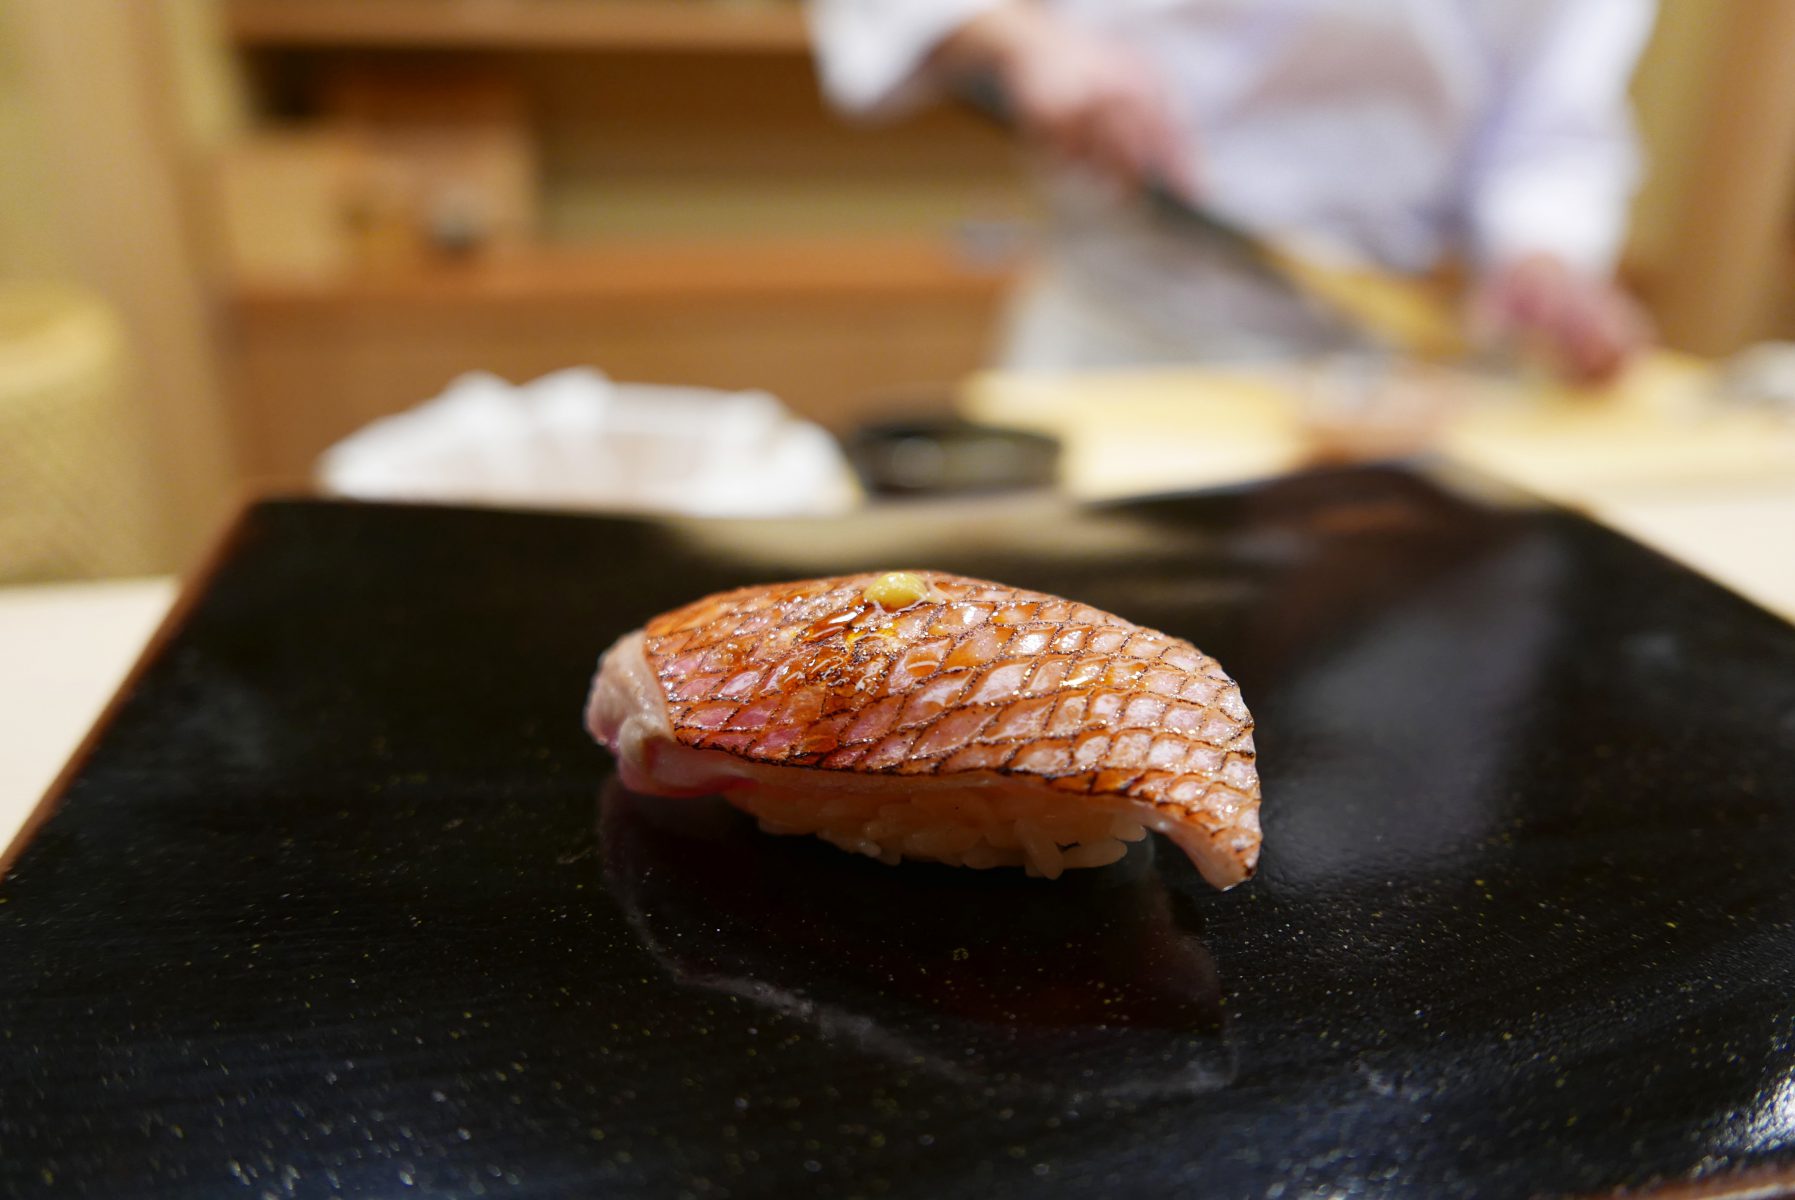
[[1589, 328], [1087, 97]]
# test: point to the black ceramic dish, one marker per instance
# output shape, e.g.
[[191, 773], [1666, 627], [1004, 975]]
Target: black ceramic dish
[[339, 901], [949, 455]]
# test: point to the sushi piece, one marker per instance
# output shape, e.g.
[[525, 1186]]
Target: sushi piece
[[931, 716]]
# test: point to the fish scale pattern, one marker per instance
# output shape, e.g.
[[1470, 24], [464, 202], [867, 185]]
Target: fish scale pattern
[[977, 676]]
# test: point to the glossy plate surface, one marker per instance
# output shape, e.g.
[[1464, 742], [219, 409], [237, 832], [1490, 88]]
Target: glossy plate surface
[[339, 902]]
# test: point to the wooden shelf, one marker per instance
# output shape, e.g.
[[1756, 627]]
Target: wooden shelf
[[716, 26], [839, 328], [686, 272]]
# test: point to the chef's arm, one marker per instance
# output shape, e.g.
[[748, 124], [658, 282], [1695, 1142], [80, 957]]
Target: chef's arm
[[1086, 97], [1550, 181]]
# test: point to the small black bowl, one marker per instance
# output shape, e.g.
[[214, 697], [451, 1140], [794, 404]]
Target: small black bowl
[[948, 455]]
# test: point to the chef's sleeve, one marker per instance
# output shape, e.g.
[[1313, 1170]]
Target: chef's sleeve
[[1555, 168], [871, 53]]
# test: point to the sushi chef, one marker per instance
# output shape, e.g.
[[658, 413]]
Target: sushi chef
[[1397, 134]]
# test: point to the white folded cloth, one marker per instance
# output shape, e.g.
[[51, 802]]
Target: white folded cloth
[[575, 439]]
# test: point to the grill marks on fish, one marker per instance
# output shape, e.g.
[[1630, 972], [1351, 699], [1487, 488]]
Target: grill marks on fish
[[977, 676]]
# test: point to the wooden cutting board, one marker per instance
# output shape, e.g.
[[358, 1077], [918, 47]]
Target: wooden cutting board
[[1140, 430], [1659, 455]]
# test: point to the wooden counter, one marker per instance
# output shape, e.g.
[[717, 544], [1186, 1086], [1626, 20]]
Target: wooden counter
[[1711, 486]]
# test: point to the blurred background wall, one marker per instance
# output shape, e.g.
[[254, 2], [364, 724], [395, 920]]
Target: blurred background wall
[[303, 214], [95, 199]]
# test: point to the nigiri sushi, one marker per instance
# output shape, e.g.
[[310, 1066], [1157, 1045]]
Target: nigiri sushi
[[924, 715]]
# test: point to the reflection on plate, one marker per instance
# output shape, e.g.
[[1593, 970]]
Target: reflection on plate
[[983, 977]]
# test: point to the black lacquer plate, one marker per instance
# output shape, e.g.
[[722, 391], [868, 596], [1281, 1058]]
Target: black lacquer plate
[[342, 901]]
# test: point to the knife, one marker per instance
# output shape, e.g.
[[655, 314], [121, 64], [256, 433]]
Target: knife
[[1391, 312]]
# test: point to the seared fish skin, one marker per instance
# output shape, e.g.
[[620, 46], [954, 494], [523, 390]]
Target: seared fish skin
[[843, 683]]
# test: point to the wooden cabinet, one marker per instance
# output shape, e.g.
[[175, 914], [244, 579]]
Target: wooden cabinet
[[841, 331], [702, 219]]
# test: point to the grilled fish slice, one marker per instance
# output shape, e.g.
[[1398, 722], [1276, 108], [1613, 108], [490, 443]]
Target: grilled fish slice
[[931, 716]]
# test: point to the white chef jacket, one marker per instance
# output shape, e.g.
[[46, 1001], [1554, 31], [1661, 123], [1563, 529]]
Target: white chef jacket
[[1383, 131]]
